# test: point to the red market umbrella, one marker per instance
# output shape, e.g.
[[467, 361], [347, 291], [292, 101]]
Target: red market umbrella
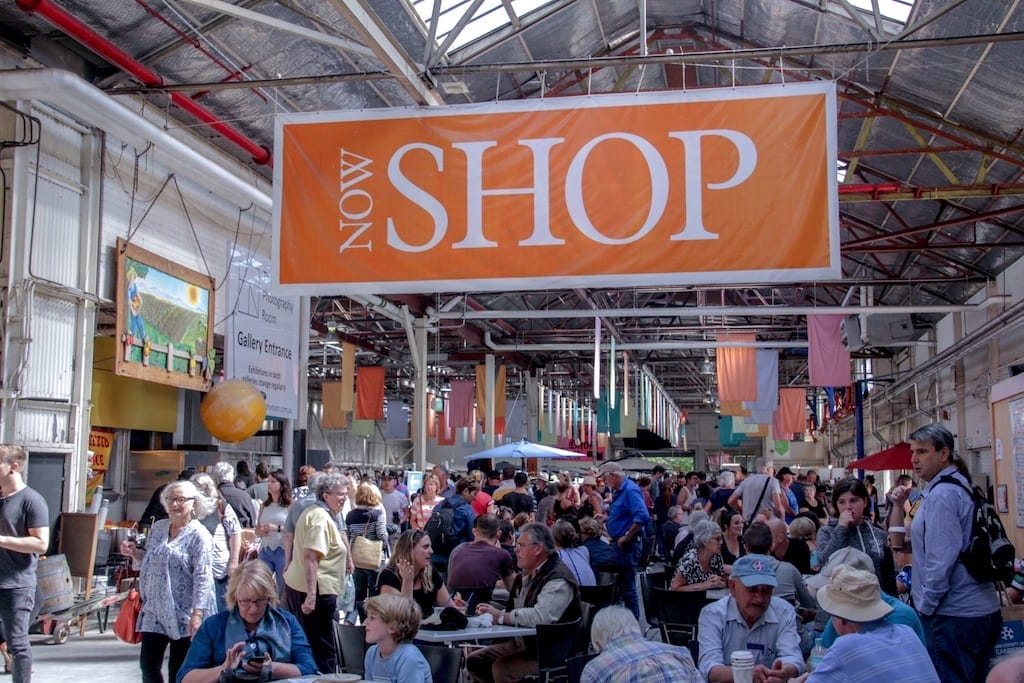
[[894, 458]]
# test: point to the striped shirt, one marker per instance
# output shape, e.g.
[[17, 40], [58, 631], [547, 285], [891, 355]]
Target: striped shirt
[[880, 653]]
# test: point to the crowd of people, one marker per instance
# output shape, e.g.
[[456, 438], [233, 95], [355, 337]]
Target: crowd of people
[[801, 563]]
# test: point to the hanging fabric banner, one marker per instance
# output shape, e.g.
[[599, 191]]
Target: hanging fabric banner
[[348, 376], [828, 359], [527, 194], [767, 400], [396, 425], [736, 367], [460, 403], [792, 410], [370, 393], [334, 416]]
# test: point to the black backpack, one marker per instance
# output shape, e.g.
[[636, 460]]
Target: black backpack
[[441, 529], [989, 555]]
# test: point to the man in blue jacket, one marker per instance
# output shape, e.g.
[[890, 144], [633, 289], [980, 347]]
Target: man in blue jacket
[[627, 518]]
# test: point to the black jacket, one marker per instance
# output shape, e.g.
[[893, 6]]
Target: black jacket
[[241, 503]]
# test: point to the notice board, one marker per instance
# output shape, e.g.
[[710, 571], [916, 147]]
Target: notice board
[[1007, 408]]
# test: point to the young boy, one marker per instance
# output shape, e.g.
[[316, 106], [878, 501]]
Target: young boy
[[391, 623]]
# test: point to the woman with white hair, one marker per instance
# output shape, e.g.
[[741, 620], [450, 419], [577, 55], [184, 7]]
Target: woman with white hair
[[626, 656], [175, 580], [701, 568], [718, 499]]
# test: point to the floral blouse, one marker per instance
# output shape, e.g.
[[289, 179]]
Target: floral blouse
[[176, 577], [690, 567]]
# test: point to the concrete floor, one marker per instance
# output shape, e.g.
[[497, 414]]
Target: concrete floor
[[98, 657]]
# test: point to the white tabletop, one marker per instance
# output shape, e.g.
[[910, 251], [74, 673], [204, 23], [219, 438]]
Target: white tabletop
[[475, 633]]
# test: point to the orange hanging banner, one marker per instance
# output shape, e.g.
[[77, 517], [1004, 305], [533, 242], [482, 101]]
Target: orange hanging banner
[[700, 187], [370, 393]]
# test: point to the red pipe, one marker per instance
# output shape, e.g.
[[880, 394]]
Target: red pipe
[[106, 49], [870, 188]]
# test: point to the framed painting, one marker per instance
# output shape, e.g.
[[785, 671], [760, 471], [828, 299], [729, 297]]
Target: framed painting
[[164, 320]]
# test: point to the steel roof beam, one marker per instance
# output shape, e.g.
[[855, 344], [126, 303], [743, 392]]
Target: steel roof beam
[[361, 17]]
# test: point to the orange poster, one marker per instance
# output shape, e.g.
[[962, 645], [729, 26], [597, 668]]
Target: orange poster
[[698, 187]]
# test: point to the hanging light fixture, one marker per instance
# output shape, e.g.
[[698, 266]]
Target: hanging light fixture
[[707, 368]]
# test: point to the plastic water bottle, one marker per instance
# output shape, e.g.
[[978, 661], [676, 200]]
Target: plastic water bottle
[[817, 654]]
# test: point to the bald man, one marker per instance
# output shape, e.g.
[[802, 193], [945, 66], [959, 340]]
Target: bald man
[[792, 550]]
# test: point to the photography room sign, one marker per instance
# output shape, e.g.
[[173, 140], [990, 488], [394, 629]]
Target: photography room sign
[[668, 188]]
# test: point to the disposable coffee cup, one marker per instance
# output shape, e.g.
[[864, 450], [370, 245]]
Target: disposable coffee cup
[[743, 666], [897, 534]]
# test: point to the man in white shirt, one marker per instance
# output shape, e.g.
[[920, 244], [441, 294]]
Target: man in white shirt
[[396, 503]]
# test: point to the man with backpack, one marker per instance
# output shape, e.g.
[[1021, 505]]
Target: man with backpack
[[451, 523], [959, 612]]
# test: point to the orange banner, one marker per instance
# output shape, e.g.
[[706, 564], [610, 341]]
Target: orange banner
[[705, 186]]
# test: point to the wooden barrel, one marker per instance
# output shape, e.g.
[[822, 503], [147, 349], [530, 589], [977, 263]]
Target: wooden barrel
[[54, 577]]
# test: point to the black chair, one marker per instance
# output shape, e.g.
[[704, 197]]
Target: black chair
[[350, 642], [575, 665], [445, 662], [555, 644], [600, 596], [648, 582], [678, 614]]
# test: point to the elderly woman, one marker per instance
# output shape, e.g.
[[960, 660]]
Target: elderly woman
[[602, 554], [575, 556], [226, 531], [853, 529], [321, 561], [365, 519], [253, 636], [424, 503], [701, 568], [410, 573], [175, 580]]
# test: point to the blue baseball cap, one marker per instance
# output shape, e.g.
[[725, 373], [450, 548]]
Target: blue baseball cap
[[754, 570]]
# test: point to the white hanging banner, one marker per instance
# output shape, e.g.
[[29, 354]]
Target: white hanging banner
[[261, 334]]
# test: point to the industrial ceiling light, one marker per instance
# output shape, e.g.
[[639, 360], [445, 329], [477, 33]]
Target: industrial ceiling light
[[707, 368]]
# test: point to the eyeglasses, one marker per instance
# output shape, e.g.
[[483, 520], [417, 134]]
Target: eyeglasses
[[178, 500], [520, 546], [258, 602]]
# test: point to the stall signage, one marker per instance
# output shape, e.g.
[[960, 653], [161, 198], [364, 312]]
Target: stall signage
[[101, 444], [700, 187]]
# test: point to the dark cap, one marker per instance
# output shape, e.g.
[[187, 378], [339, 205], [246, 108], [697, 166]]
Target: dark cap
[[784, 471], [389, 474]]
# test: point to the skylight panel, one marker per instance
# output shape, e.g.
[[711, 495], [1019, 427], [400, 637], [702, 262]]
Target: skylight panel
[[489, 16], [892, 10]]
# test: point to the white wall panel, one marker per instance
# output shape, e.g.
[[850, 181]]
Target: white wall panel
[[43, 425], [49, 371], [55, 209]]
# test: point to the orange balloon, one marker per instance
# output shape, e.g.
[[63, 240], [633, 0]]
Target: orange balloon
[[233, 410]]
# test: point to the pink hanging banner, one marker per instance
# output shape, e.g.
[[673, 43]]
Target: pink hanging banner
[[829, 360]]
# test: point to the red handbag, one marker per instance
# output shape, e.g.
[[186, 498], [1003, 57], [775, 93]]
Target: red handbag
[[124, 625]]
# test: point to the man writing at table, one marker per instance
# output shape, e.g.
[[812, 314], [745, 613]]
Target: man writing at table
[[544, 593]]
